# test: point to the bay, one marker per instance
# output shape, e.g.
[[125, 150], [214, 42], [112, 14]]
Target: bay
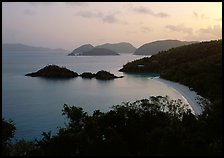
[[35, 104]]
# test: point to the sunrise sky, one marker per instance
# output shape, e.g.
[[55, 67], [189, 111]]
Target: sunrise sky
[[71, 24]]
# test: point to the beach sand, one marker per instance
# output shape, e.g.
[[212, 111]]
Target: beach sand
[[188, 96]]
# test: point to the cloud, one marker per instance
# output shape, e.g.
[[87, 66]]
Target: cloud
[[29, 12], [209, 33], [216, 30], [144, 10], [179, 28], [110, 18], [146, 29], [204, 17], [36, 4], [200, 16], [107, 18], [195, 14], [131, 32], [88, 14], [218, 19], [77, 3]]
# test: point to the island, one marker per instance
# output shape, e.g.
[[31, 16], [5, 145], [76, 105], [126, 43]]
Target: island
[[104, 75], [100, 75], [161, 45], [53, 71], [81, 49], [99, 52], [23, 47], [116, 48], [87, 75], [121, 48]]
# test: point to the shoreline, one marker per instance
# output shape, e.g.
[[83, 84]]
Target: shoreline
[[190, 97]]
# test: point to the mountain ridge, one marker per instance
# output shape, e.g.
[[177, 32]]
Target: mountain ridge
[[24, 47], [99, 52], [120, 48], [155, 47]]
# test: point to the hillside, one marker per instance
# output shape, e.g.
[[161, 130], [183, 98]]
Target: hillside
[[122, 47], [157, 46], [81, 49], [98, 52], [23, 47], [198, 66]]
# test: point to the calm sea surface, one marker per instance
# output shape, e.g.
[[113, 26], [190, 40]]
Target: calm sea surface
[[35, 104]]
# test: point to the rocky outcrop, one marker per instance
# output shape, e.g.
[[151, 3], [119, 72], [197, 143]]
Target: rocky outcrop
[[87, 75], [100, 75], [53, 71], [104, 75]]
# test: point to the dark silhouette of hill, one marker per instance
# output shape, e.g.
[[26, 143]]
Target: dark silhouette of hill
[[122, 47], [162, 45], [53, 71], [99, 52], [23, 47], [81, 49], [198, 66], [100, 75]]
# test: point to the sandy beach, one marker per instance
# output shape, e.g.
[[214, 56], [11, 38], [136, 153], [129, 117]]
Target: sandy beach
[[188, 96]]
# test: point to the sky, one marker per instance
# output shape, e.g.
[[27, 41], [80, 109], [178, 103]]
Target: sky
[[69, 25]]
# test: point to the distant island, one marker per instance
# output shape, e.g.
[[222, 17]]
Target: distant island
[[122, 47], [89, 50], [104, 49], [81, 49], [54, 71], [23, 47], [99, 52], [162, 45]]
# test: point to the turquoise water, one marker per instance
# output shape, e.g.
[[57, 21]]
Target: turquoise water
[[35, 104], [147, 75]]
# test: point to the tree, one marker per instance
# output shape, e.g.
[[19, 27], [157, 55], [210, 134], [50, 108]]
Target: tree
[[8, 132]]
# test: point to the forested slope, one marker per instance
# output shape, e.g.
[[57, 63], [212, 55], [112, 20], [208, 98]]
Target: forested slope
[[198, 66]]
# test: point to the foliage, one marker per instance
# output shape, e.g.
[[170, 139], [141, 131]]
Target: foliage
[[8, 132], [198, 66], [154, 126], [20, 147]]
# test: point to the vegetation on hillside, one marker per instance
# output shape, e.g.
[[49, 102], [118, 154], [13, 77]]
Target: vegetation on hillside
[[154, 126], [198, 66]]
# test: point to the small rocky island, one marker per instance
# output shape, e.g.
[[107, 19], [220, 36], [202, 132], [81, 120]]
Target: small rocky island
[[53, 71], [104, 75], [100, 75]]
